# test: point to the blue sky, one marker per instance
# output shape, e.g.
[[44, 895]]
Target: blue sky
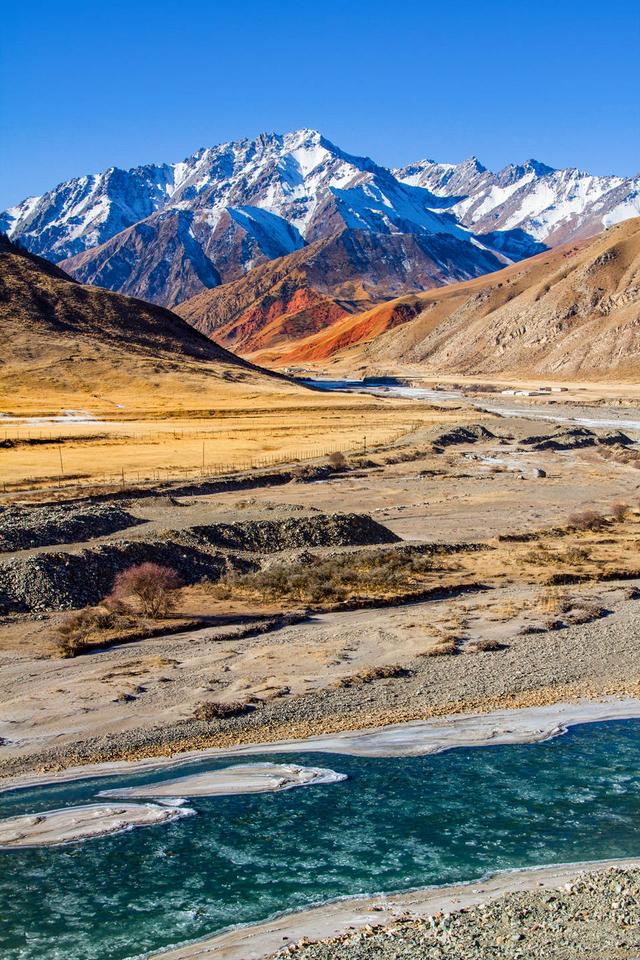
[[86, 85]]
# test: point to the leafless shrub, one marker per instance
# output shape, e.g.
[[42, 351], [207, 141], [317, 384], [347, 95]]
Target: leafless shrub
[[151, 585], [586, 612], [443, 648], [576, 555], [302, 471], [337, 460], [586, 520], [210, 710], [619, 511], [373, 673], [541, 555], [488, 645], [79, 629], [555, 602], [379, 573]]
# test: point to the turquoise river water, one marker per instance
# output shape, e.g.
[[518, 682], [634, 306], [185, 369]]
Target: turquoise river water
[[394, 824]]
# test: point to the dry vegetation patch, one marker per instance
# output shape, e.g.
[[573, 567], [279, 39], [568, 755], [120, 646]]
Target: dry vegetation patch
[[211, 710], [370, 674], [376, 574]]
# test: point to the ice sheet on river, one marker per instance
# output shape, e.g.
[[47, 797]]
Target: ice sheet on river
[[50, 828], [242, 778]]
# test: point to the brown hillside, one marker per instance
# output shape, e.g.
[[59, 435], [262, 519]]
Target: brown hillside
[[313, 288], [68, 344], [573, 311]]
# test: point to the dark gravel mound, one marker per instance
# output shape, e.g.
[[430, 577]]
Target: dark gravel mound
[[577, 437], [24, 527], [468, 434], [270, 536], [63, 581]]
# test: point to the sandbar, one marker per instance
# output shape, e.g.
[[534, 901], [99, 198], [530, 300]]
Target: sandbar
[[230, 781], [51, 828]]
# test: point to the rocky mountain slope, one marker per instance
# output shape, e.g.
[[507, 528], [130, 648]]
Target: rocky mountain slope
[[165, 232], [79, 344], [169, 232], [313, 288], [570, 312], [527, 205]]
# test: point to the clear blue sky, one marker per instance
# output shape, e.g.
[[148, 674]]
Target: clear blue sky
[[88, 84]]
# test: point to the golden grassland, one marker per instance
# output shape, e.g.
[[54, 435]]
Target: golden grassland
[[255, 428]]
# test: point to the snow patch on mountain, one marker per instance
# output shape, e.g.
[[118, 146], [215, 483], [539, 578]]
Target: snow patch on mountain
[[227, 208], [549, 206]]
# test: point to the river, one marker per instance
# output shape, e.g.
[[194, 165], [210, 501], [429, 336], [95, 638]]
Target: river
[[588, 416], [395, 823]]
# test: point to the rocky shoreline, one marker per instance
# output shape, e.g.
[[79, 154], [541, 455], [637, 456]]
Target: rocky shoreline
[[418, 738], [595, 915], [565, 912]]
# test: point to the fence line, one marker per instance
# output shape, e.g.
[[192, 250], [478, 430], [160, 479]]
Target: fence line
[[204, 471]]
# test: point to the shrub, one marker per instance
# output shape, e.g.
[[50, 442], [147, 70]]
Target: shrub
[[209, 710], [374, 573], [373, 673], [586, 520], [74, 634], [586, 611], [555, 602], [443, 648], [337, 460], [576, 555], [619, 511], [151, 585], [486, 646]]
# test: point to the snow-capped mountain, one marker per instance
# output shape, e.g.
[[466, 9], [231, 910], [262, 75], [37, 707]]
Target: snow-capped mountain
[[546, 206], [164, 232]]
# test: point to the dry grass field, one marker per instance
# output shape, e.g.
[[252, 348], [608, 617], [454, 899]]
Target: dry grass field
[[261, 429]]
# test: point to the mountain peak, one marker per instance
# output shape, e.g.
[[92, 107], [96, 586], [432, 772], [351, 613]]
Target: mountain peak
[[541, 169], [517, 171], [472, 163]]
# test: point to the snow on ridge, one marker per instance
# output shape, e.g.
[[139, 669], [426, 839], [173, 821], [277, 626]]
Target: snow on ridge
[[530, 197], [302, 180]]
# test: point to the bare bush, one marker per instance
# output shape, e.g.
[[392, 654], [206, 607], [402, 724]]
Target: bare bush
[[375, 573], [619, 511], [555, 602], [443, 648], [337, 460], [151, 585], [488, 645], [586, 611], [301, 472], [78, 630], [586, 520], [373, 673], [576, 555], [210, 710]]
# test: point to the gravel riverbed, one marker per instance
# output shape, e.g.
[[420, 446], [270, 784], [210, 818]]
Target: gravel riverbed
[[595, 916]]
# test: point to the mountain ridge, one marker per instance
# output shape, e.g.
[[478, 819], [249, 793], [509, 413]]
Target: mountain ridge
[[73, 345], [568, 312], [317, 285], [245, 201], [166, 232]]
